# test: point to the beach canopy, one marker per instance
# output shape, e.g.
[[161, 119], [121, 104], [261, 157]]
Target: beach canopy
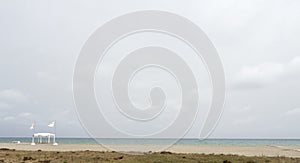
[[43, 134], [40, 138]]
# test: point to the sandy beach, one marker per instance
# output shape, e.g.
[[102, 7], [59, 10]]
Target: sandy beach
[[253, 150], [69, 153]]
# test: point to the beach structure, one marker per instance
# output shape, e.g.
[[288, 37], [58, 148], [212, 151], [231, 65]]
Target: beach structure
[[46, 136], [40, 137]]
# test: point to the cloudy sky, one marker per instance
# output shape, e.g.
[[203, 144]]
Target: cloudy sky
[[258, 42]]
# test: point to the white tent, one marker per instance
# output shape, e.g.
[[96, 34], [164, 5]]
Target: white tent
[[40, 138]]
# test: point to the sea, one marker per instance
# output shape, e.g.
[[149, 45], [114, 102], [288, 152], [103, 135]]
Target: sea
[[274, 142]]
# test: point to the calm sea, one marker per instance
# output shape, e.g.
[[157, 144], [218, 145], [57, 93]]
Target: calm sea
[[285, 142]]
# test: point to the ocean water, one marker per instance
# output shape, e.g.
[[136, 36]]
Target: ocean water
[[279, 142]]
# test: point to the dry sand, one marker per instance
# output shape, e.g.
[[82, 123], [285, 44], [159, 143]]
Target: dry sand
[[257, 150]]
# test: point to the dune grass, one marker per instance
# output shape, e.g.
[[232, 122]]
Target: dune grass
[[9, 155]]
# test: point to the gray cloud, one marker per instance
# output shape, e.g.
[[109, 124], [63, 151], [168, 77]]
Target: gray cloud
[[293, 112], [13, 96], [265, 74]]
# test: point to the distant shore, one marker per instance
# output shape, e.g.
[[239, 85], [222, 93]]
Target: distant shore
[[250, 150]]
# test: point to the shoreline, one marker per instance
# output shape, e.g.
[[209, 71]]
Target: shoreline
[[241, 150]]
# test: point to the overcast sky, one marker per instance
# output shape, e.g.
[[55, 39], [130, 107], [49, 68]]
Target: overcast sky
[[258, 42]]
